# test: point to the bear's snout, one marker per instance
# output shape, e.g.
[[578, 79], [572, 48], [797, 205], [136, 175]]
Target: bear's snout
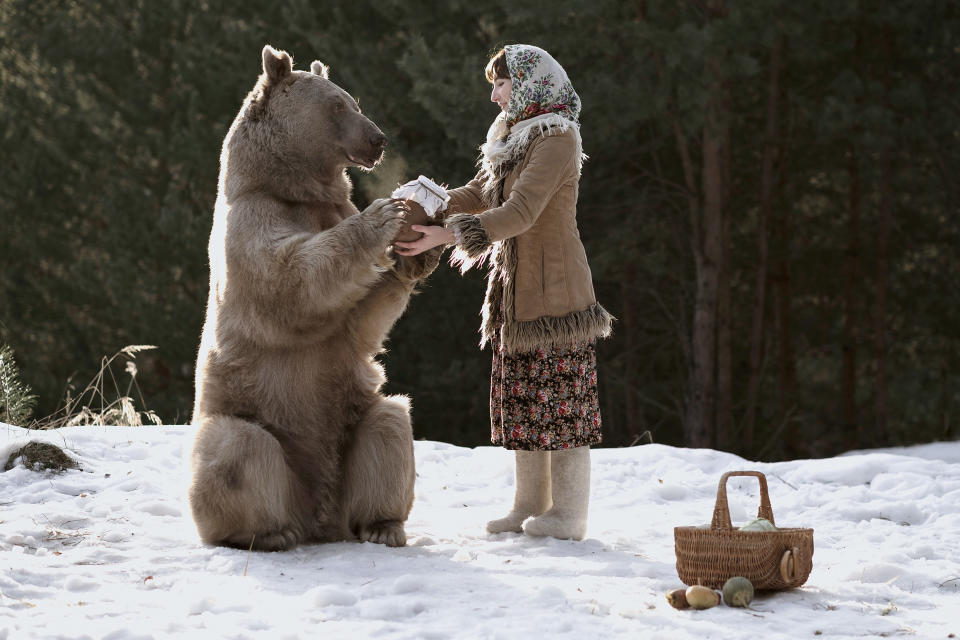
[[378, 140]]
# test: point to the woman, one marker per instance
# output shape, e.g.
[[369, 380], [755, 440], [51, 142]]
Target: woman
[[540, 315]]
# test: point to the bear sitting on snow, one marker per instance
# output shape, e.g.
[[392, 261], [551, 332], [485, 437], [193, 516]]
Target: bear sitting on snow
[[294, 442]]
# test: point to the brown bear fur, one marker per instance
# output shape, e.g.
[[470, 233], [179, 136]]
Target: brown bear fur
[[294, 442]]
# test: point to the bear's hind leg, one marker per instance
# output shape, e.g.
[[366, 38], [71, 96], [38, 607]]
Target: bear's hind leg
[[242, 493], [379, 473]]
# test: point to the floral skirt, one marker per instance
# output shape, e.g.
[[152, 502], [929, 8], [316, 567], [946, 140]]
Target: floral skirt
[[544, 400]]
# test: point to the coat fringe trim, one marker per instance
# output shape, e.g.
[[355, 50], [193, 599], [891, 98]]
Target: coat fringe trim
[[499, 155], [499, 312], [473, 243], [507, 147], [588, 325]]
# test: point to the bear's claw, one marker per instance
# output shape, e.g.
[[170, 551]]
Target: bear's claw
[[389, 532], [385, 216], [281, 540]]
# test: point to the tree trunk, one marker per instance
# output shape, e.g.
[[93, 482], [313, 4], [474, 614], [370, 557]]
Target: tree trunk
[[851, 298], [724, 405], [885, 212], [848, 368], [626, 328], [701, 411], [724, 408], [771, 157], [706, 206], [880, 390], [695, 431], [944, 405], [782, 281]]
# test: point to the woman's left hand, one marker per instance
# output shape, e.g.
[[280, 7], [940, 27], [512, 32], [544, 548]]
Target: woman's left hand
[[433, 236]]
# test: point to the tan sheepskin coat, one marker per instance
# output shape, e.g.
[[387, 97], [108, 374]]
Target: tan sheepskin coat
[[539, 271]]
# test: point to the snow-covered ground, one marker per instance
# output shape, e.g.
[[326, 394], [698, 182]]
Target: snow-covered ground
[[110, 551]]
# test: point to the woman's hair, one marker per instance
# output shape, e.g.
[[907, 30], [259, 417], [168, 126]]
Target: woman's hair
[[497, 67]]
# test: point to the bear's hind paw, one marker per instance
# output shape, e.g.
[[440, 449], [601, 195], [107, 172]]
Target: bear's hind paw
[[388, 532], [280, 540]]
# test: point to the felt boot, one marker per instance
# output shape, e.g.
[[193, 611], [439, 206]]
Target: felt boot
[[570, 488], [532, 495]]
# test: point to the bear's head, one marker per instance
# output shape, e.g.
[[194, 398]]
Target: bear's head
[[318, 123]]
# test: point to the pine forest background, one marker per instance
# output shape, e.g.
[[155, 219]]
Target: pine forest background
[[770, 207]]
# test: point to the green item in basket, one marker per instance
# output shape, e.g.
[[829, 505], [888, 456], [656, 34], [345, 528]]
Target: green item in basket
[[759, 524]]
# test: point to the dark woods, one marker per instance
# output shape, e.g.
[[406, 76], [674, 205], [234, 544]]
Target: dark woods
[[770, 206]]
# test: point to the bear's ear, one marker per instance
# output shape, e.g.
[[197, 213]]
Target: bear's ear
[[320, 69], [276, 64]]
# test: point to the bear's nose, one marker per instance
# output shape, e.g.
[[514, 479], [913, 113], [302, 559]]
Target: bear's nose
[[378, 140]]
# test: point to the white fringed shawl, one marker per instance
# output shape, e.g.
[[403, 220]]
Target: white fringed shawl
[[499, 154]]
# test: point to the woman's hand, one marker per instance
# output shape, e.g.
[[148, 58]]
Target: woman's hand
[[433, 236]]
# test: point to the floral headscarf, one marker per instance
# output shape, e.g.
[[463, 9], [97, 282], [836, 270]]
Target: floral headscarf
[[542, 101], [540, 85]]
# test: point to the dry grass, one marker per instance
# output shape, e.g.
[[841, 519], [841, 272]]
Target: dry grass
[[101, 402], [41, 456]]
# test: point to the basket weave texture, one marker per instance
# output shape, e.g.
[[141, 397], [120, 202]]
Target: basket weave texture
[[780, 559]]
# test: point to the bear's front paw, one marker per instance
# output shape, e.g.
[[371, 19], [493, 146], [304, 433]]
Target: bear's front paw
[[419, 266], [388, 532], [384, 218]]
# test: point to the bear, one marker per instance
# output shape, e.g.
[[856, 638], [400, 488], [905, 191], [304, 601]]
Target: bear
[[294, 443]]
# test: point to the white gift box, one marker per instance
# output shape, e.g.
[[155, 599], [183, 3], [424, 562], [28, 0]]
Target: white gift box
[[427, 193]]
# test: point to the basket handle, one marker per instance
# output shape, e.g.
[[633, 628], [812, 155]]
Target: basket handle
[[721, 510], [790, 565]]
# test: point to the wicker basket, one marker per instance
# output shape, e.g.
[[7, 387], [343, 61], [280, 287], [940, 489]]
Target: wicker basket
[[780, 559]]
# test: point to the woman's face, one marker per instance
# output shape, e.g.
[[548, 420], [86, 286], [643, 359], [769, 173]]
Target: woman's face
[[501, 92]]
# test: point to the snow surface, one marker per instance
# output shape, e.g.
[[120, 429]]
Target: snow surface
[[110, 551]]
